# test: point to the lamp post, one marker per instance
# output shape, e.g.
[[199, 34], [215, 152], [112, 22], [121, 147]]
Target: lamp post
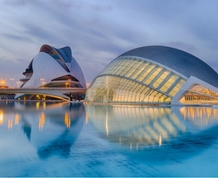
[[2, 83], [42, 81], [43, 84], [18, 84], [12, 83], [87, 85]]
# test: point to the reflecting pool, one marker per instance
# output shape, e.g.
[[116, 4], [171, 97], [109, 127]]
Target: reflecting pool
[[66, 139]]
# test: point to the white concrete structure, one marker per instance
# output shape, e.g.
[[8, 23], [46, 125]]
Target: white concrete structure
[[53, 68]]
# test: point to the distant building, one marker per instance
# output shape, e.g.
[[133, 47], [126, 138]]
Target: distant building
[[155, 75], [3, 86], [54, 68], [5, 97]]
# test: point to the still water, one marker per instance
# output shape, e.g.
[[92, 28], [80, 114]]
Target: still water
[[63, 139]]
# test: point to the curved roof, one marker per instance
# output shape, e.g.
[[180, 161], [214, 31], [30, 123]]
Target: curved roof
[[49, 57], [64, 52], [178, 60], [68, 62]]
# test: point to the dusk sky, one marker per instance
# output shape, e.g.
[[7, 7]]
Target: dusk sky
[[99, 30]]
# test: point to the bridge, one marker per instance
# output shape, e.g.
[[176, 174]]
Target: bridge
[[52, 92]]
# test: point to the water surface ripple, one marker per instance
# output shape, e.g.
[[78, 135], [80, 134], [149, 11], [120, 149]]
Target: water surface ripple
[[66, 139]]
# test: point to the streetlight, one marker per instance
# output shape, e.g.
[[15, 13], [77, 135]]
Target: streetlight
[[18, 84], [2, 83], [12, 82], [43, 82], [87, 85]]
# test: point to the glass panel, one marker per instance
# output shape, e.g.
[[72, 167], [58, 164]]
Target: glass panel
[[125, 71], [116, 89], [200, 94], [153, 75], [177, 87], [168, 83], [160, 79], [133, 68], [139, 70], [146, 72]]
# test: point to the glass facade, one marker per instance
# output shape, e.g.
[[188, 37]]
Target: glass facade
[[200, 94], [134, 80]]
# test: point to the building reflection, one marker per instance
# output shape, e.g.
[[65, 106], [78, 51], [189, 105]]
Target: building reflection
[[1, 116], [51, 128], [17, 119], [41, 120], [200, 115], [10, 124], [146, 127], [26, 127], [136, 126], [67, 125]]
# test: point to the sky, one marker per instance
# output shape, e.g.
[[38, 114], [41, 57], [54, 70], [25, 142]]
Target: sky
[[98, 31]]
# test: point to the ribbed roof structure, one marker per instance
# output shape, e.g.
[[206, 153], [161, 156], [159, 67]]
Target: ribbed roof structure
[[178, 60]]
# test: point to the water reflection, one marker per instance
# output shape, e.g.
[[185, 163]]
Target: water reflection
[[26, 127], [172, 129], [51, 128], [200, 116], [136, 126], [1, 116]]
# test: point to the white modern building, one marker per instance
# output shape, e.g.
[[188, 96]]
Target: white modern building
[[53, 68], [155, 75]]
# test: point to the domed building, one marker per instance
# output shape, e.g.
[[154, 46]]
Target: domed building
[[53, 68], [155, 75]]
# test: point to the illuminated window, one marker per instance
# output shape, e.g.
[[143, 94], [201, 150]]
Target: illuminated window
[[146, 72], [177, 88], [136, 74], [160, 79], [152, 75], [200, 94], [168, 83]]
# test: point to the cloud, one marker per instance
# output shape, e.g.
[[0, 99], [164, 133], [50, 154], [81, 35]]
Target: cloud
[[99, 31], [15, 3], [15, 37], [12, 69]]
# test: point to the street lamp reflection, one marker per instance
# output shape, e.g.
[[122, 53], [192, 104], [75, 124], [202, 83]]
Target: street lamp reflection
[[10, 124], [1, 117], [41, 121], [67, 120]]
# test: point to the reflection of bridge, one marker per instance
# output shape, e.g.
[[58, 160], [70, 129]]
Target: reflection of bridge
[[53, 92]]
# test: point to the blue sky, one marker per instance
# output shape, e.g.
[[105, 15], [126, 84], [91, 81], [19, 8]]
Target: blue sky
[[99, 30]]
